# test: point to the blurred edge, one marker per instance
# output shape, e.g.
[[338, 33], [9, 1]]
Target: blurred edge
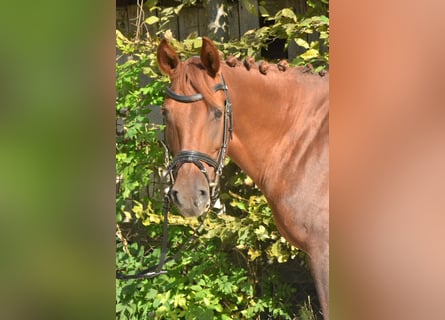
[[57, 160], [387, 160]]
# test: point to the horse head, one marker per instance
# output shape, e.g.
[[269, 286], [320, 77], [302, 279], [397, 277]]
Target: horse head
[[197, 122]]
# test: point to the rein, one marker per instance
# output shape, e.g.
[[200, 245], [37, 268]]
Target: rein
[[197, 158]]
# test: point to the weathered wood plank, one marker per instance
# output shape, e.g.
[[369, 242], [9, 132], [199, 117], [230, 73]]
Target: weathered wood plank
[[188, 21], [247, 20], [202, 22], [233, 22]]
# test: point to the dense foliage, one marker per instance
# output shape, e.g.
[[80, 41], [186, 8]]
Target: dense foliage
[[239, 267]]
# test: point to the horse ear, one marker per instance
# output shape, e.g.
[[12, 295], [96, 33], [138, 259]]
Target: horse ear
[[167, 58], [210, 56]]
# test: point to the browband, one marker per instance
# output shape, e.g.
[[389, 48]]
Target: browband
[[194, 97]]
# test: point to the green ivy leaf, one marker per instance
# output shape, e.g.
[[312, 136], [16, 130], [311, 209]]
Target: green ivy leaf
[[302, 43], [324, 35], [288, 13], [250, 7], [263, 11], [253, 253], [261, 233], [179, 300], [151, 20], [310, 54]]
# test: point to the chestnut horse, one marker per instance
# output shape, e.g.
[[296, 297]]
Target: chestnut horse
[[278, 136]]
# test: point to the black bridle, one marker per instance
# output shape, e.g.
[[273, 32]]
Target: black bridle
[[197, 158]]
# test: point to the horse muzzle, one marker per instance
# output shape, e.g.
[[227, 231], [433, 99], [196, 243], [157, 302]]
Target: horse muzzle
[[190, 192], [193, 173]]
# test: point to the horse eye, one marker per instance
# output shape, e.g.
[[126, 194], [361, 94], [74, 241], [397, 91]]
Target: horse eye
[[218, 113]]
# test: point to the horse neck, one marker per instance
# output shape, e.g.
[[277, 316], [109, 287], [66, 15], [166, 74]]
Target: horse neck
[[266, 113]]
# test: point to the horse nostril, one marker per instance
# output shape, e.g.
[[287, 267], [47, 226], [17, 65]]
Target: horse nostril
[[174, 196], [203, 193]]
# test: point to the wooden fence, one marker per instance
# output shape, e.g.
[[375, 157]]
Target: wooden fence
[[195, 20]]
